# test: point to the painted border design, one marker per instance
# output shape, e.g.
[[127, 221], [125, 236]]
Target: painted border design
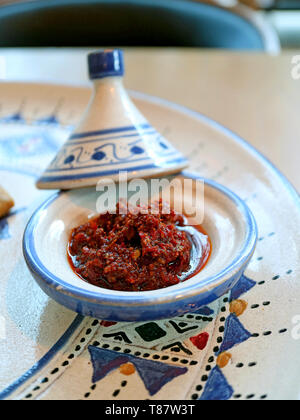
[[213, 124], [44, 360], [55, 348], [109, 131]]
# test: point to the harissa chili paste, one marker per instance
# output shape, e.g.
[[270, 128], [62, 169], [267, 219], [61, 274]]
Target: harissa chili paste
[[133, 251]]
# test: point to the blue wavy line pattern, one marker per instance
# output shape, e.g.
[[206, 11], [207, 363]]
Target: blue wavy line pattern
[[119, 151]]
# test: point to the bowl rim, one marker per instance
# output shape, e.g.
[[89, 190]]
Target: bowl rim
[[167, 295]]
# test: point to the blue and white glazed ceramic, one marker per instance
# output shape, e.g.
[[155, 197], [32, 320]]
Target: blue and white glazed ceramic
[[227, 220], [112, 136], [52, 353]]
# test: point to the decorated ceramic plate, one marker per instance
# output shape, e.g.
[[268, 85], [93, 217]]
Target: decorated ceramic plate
[[243, 346]]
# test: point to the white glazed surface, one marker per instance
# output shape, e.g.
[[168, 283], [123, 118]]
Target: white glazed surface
[[34, 322]]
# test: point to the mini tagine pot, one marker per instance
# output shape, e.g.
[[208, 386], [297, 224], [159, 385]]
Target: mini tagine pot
[[112, 136]]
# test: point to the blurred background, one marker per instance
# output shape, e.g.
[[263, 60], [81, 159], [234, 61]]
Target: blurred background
[[151, 23]]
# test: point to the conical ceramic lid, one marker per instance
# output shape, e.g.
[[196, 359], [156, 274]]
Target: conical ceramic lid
[[113, 136]]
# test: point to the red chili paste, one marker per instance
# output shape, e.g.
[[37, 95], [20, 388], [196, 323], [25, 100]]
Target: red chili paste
[[135, 251]]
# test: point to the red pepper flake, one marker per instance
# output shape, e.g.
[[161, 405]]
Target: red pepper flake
[[200, 340], [136, 251], [107, 323]]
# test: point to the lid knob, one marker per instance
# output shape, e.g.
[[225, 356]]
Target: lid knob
[[106, 63]]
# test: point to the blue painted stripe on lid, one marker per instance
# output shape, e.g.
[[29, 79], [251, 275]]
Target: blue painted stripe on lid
[[102, 165], [110, 131], [44, 360], [92, 174], [106, 173], [146, 133]]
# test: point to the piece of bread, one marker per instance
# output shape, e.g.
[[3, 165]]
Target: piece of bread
[[6, 202]]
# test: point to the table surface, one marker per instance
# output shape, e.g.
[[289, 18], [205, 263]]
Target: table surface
[[253, 94]]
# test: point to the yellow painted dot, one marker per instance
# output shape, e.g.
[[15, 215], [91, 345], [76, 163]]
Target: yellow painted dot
[[223, 359], [238, 307], [127, 369]]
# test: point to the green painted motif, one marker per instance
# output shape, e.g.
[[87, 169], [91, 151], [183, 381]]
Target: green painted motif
[[150, 331]]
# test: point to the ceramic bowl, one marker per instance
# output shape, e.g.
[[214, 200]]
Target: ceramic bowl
[[227, 220]]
